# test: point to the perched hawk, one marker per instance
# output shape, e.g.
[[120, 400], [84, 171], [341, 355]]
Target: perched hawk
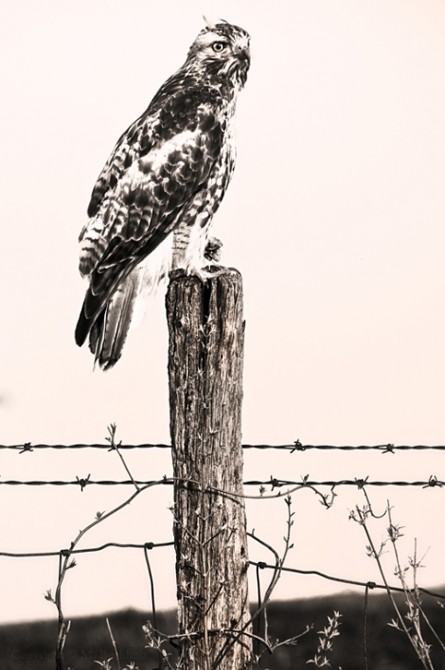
[[153, 202]]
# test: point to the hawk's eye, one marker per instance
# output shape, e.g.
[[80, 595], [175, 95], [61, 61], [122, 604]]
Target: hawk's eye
[[219, 46]]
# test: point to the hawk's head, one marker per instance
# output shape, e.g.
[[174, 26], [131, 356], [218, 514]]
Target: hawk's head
[[222, 50]]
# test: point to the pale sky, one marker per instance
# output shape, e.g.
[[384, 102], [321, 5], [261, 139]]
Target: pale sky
[[334, 218]]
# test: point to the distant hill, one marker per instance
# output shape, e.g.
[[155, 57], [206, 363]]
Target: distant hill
[[30, 646]]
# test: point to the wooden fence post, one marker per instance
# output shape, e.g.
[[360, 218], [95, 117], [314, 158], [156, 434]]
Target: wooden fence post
[[206, 338]]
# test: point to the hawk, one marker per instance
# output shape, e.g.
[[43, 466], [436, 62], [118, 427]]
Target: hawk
[[152, 205]]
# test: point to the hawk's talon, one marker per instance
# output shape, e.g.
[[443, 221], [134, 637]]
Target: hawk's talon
[[213, 249]]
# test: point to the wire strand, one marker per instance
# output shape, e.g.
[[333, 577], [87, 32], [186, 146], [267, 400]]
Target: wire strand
[[274, 483], [296, 446]]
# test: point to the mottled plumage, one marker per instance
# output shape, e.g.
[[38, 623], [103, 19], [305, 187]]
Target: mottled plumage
[[153, 202]]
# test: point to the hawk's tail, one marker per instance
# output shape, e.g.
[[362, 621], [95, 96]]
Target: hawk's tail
[[108, 330], [109, 304]]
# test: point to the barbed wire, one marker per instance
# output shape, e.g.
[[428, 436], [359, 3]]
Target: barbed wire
[[296, 446], [274, 483]]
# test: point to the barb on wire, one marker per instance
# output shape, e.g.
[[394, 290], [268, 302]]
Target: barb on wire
[[432, 482], [83, 481], [24, 448]]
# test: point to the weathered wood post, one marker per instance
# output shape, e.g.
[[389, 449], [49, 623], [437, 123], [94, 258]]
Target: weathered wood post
[[206, 332]]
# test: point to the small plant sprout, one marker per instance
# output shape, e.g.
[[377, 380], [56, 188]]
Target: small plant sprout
[[105, 665], [413, 622], [48, 596], [325, 641]]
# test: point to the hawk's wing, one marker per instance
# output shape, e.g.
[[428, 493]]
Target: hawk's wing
[[153, 175], [129, 146], [171, 110]]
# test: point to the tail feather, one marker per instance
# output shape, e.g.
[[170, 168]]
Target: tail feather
[[95, 332], [106, 316], [108, 335], [95, 303]]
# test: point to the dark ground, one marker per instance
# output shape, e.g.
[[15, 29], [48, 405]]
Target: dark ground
[[30, 646]]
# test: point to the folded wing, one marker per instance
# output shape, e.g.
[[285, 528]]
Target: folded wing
[[150, 181]]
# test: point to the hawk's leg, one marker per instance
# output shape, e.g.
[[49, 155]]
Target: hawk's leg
[[195, 252]]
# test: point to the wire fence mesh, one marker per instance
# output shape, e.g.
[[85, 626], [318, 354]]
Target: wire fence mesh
[[273, 485]]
